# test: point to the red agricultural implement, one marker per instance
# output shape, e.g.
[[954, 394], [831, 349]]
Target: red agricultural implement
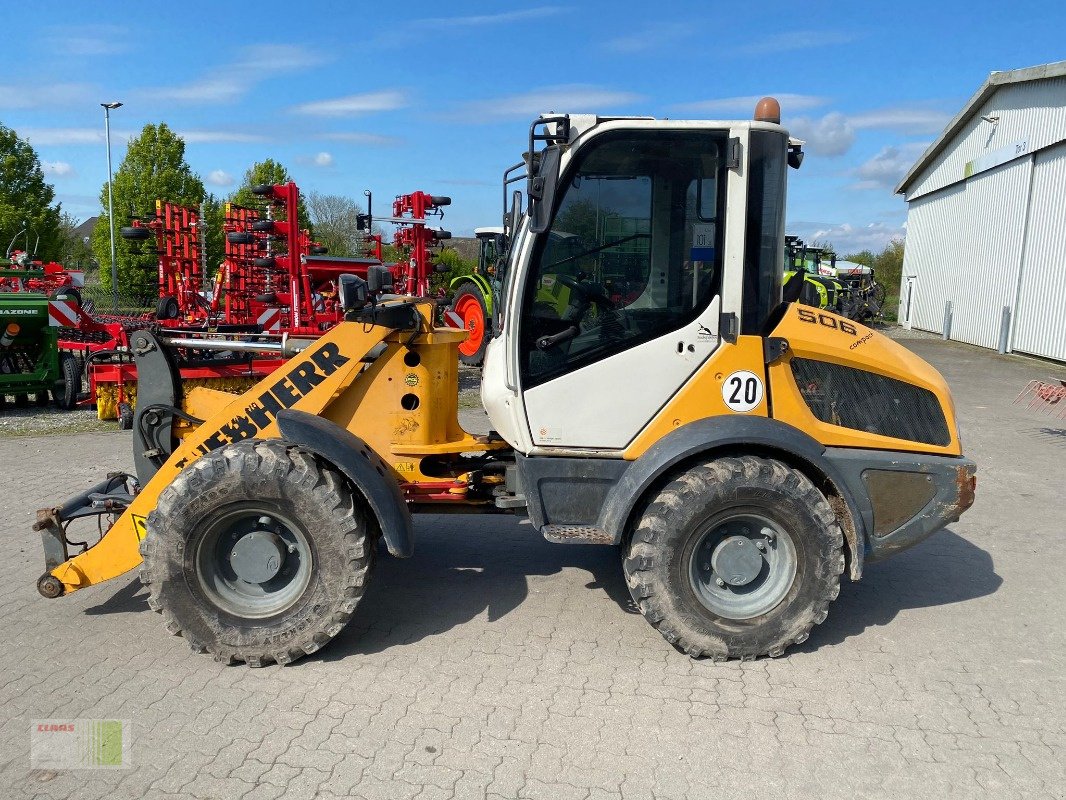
[[415, 237], [1048, 397], [274, 275], [274, 281], [23, 274]]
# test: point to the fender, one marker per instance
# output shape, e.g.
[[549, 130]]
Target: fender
[[362, 466], [706, 436], [480, 282]]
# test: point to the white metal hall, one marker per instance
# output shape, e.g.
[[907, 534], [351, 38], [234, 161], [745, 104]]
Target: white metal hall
[[986, 219]]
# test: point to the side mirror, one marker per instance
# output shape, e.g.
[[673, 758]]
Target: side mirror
[[379, 278], [441, 268], [795, 157], [541, 189], [353, 292]]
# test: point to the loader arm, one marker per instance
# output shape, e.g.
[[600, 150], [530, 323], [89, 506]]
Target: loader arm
[[309, 382]]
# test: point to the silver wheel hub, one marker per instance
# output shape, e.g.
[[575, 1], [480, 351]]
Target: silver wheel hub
[[251, 564], [737, 561], [742, 565], [258, 556]]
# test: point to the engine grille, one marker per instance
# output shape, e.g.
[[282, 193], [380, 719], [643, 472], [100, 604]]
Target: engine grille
[[865, 401]]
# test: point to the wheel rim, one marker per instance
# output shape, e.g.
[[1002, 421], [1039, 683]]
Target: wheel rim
[[742, 565], [469, 310], [253, 563]]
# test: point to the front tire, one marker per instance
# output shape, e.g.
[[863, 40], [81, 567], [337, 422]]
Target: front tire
[[257, 552], [736, 558]]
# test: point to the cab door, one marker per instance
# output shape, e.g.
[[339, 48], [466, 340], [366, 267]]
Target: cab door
[[622, 294]]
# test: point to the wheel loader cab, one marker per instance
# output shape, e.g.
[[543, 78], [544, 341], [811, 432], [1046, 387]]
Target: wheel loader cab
[[662, 233]]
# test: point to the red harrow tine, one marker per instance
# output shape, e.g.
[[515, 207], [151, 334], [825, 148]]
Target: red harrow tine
[[1044, 396]]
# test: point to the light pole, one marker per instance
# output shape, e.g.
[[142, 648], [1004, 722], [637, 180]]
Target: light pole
[[108, 108]]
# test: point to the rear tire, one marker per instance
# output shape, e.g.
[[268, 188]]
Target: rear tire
[[125, 417], [135, 233], [469, 305], [736, 558], [67, 293], [279, 496], [167, 308], [240, 237], [65, 395]]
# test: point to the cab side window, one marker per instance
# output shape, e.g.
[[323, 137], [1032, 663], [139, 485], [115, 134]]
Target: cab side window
[[633, 252]]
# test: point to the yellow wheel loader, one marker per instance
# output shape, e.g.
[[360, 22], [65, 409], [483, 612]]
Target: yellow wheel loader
[[742, 452]]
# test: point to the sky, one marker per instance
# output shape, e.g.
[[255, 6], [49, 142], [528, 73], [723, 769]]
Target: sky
[[438, 97]]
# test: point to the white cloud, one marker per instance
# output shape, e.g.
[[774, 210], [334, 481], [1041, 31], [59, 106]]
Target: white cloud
[[353, 104], [832, 135], [323, 159], [655, 37], [60, 169], [746, 105], [358, 137], [796, 40], [847, 238], [88, 40], [482, 20], [48, 96], [207, 90], [916, 121], [887, 168], [228, 83], [220, 137], [44, 137], [575, 98], [219, 177], [275, 58]]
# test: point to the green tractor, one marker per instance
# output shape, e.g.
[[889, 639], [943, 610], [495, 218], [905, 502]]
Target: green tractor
[[820, 290], [31, 363], [473, 296]]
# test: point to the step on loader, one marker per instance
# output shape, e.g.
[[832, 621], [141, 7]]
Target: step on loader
[[742, 451]]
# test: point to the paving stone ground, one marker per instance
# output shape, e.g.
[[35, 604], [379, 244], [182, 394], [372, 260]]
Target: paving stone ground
[[495, 664]]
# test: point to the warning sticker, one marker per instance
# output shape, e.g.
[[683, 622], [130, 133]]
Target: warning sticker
[[140, 526]]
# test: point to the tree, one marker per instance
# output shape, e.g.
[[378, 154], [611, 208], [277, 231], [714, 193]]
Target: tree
[[456, 264], [25, 198], [271, 172], [213, 216], [334, 218], [154, 169], [864, 257], [73, 249], [887, 265]]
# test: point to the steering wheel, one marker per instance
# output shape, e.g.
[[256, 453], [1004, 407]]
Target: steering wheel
[[588, 291]]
